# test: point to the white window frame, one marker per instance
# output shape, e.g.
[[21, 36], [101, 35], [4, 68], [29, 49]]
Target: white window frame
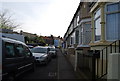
[[94, 23], [78, 18]]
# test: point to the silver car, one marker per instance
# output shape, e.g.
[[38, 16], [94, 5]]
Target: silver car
[[52, 51], [41, 54]]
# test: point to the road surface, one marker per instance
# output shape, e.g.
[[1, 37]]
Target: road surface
[[58, 69]]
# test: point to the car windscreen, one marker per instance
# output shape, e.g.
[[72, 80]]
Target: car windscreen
[[52, 49], [39, 50]]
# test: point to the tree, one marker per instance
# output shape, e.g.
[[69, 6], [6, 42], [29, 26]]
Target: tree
[[6, 21], [41, 40]]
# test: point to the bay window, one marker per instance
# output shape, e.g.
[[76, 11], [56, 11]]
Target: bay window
[[97, 25], [77, 36], [81, 35], [113, 21]]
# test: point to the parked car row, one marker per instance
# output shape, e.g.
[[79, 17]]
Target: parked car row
[[52, 51], [43, 54], [18, 58]]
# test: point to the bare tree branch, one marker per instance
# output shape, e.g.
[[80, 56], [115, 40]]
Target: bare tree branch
[[6, 21]]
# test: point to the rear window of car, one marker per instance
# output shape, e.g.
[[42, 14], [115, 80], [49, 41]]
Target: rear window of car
[[9, 49], [39, 50], [52, 49]]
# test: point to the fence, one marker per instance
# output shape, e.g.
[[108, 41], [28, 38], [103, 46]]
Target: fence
[[102, 62], [94, 64]]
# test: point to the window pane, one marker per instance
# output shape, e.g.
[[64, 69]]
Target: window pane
[[9, 50], [113, 7], [97, 29], [81, 35], [97, 24], [112, 26], [87, 34], [39, 50], [27, 51], [52, 49], [97, 14], [71, 40], [77, 20], [20, 50], [77, 37]]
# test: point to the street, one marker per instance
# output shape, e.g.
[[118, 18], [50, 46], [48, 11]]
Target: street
[[83, 34], [58, 68]]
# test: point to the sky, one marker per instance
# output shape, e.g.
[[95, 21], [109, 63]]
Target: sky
[[42, 17]]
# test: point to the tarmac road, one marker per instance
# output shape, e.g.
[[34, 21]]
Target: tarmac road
[[58, 69]]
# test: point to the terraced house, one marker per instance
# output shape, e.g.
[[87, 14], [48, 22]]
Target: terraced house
[[105, 36], [78, 35], [92, 40]]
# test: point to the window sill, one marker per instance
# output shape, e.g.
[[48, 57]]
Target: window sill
[[100, 43]]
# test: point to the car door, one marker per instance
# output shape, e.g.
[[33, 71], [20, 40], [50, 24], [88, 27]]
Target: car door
[[19, 50], [11, 62], [29, 58]]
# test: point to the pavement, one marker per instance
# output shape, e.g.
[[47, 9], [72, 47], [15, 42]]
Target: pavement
[[65, 69], [80, 75]]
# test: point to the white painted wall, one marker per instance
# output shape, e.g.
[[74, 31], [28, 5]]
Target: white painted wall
[[114, 66]]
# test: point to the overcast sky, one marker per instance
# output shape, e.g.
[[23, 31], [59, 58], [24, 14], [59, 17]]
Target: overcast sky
[[43, 17]]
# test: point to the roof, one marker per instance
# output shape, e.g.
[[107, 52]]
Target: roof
[[76, 12]]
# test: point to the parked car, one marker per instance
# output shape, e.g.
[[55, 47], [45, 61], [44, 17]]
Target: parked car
[[16, 59], [52, 51], [41, 54]]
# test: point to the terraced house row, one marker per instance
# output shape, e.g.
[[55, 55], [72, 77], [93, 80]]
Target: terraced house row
[[92, 40]]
